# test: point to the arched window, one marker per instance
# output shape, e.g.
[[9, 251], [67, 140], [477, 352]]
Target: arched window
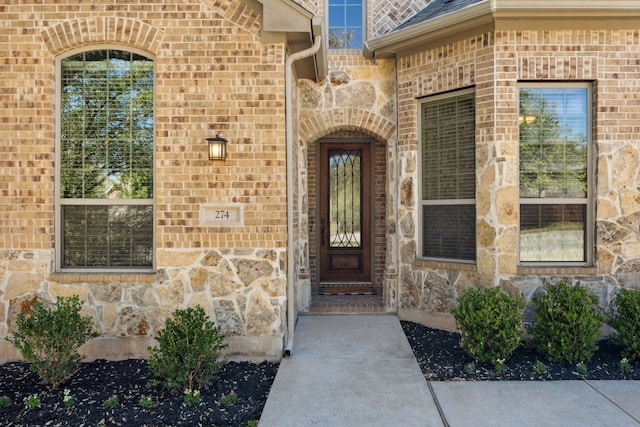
[[104, 164]]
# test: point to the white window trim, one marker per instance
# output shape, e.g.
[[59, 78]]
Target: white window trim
[[589, 201], [57, 176]]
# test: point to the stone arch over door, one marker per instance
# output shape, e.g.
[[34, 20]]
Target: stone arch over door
[[356, 123]]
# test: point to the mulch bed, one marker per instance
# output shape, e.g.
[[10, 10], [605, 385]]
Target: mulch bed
[[438, 353], [128, 381], [441, 359]]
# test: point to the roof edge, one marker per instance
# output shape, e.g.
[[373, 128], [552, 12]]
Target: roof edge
[[389, 44], [575, 5], [489, 12]]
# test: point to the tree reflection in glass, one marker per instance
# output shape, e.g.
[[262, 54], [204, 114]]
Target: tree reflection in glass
[[553, 173]]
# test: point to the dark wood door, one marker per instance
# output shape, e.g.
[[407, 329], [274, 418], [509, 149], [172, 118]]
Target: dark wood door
[[345, 212]]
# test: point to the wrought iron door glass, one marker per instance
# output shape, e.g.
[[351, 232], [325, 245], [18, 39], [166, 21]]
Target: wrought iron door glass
[[345, 198]]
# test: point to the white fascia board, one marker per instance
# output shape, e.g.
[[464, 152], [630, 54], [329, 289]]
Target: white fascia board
[[318, 24], [489, 11], [575, 5]]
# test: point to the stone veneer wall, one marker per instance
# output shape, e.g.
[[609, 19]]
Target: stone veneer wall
[[242, 290], [494, 63], [358, 97], [213, 75]]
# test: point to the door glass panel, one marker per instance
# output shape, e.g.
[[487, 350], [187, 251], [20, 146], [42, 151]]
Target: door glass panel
[[345, 198]]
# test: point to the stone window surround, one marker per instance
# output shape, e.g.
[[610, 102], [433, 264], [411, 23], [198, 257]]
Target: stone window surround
[[539, 268]]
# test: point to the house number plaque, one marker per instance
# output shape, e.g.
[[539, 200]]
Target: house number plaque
[[223, 215]]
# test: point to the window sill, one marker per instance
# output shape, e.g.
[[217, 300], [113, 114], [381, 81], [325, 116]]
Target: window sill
[[444, 265], [560, 271], [103, 277]]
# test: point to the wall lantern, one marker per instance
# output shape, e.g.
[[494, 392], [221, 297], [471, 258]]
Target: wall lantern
[[217, 148]]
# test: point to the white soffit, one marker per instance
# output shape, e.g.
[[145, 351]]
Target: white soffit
[[285, 16], [285, 21]]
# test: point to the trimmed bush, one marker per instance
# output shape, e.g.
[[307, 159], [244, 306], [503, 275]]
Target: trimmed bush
[[625, 319], [490, 324], [567, 323], [49, 339], [187, 357]]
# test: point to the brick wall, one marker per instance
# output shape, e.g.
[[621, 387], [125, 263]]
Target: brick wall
[[213, 75], [494, 63], [385, 15]]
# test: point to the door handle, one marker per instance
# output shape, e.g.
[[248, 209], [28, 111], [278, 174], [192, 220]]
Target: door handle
[[322, 228]]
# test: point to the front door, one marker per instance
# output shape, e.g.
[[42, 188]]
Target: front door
[[345, 212]]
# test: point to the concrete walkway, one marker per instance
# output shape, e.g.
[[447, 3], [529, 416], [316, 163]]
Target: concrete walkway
[[359, 370]]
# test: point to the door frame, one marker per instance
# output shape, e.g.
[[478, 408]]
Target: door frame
[[368, 207]]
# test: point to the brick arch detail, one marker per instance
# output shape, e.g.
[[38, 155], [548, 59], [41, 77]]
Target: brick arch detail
[[74, 33], [321, 124], [237, 12]]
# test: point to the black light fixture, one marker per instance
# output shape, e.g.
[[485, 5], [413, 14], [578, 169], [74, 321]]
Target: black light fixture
[[217, 148]]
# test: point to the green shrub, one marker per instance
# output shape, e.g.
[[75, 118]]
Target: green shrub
[[625, 319], [490, 323], [187, 357], [33, 401], [49, 339], [5, 402], [540, 368], [145, 401], [111, 402], [567, 323], [582, 368]]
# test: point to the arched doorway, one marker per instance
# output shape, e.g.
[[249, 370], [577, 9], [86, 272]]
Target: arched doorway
[[347, 222]]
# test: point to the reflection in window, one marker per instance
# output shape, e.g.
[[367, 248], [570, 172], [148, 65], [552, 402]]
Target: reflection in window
[[106, 160], [345, 24], [554, 153], [448, 177], [552, 232]]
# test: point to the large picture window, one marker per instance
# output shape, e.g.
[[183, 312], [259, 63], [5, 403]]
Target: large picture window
[[448, 176], [345, 24], [105, 161], [554, 173]]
